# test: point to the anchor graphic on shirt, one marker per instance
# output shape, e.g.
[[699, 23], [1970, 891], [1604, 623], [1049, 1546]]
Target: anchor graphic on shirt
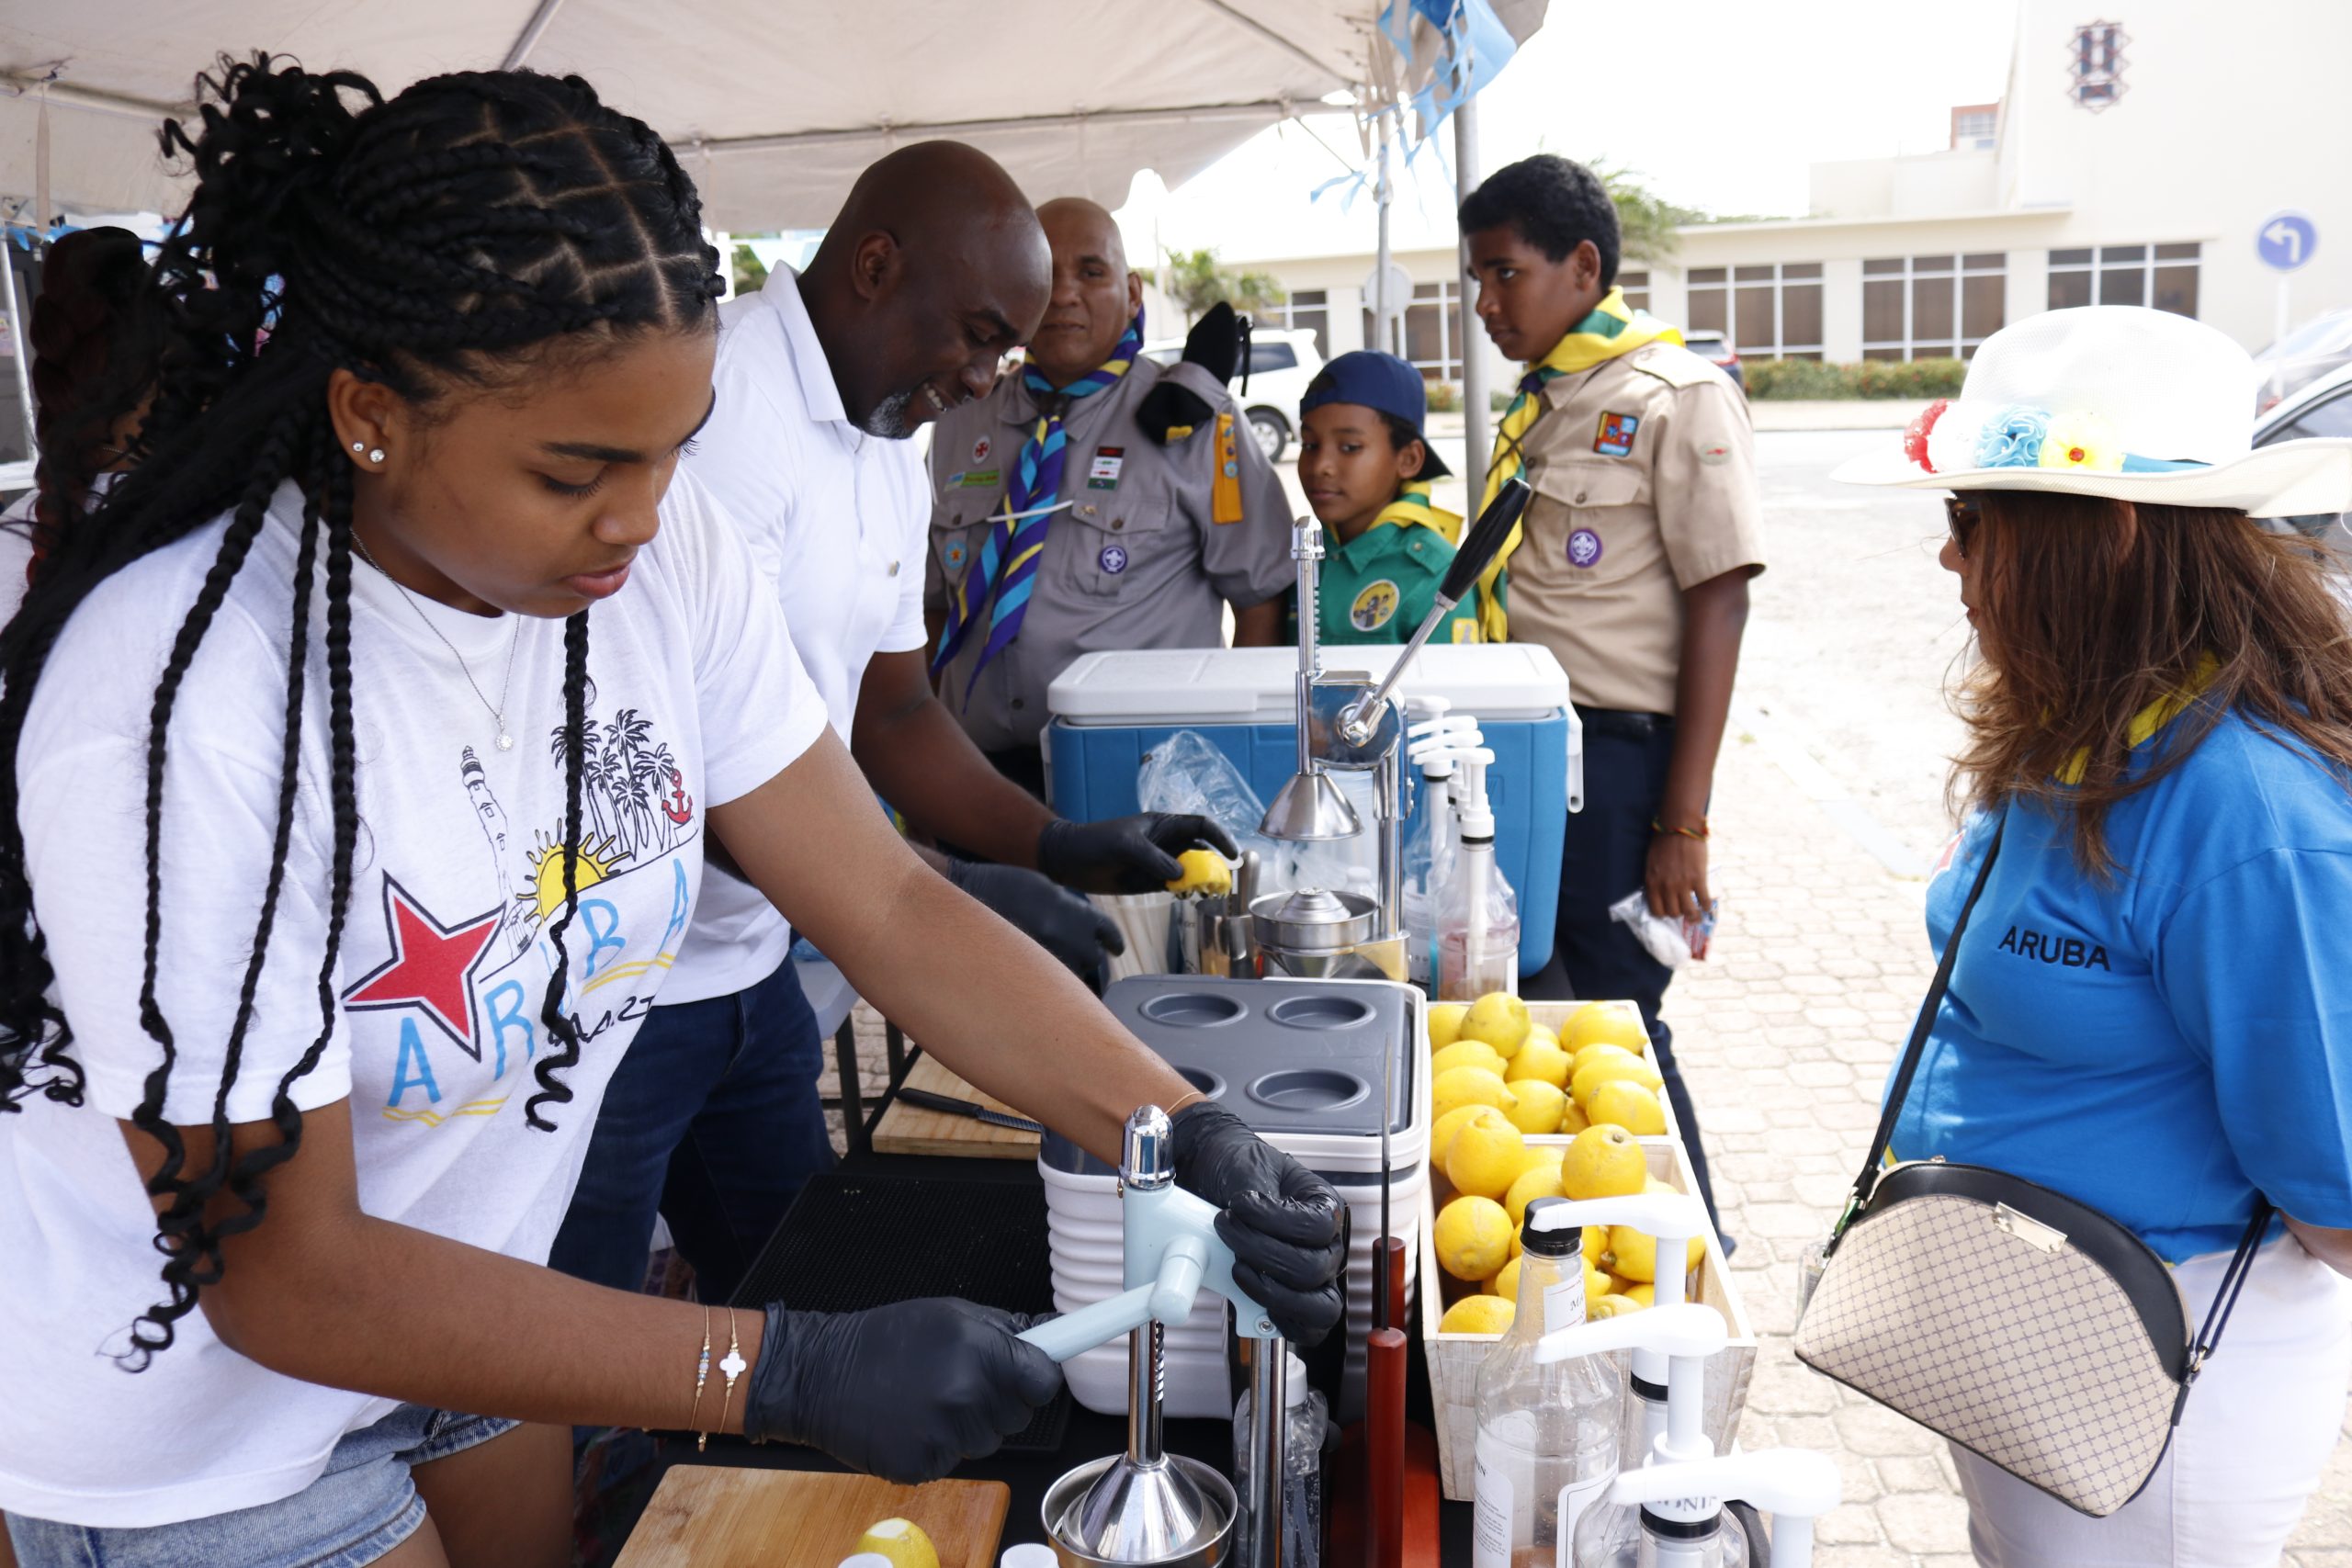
[[679, 807]]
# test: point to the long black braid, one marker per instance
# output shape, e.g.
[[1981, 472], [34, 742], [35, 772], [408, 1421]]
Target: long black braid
[[465, 234]]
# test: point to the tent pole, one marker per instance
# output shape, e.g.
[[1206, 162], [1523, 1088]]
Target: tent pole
[[1381, 303], [1475, 412], [18, 347]]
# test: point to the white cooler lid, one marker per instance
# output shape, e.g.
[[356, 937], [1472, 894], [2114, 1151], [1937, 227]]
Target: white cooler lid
[[1253, 685]]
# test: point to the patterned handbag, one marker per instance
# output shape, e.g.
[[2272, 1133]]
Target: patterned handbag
[[2032, 1330]]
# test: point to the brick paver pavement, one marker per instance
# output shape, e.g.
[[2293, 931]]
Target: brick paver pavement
[[1786, 1035]]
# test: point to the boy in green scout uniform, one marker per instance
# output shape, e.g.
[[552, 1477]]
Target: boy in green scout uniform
[[1366, 469], [1630, 564]]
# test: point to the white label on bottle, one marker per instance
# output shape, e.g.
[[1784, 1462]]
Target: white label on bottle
[[1490, 1525], [1563, 1306], [1574, 1498]]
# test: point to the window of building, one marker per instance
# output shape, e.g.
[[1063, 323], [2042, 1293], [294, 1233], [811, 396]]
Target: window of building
[[2095, 65], [1307, 309], [2162, 276], [1767, 311], [1932, 307], [1976, 127], [1430, 334], [1637, 286]]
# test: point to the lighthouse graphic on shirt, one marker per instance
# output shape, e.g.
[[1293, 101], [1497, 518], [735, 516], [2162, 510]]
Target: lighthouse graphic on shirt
[[467, 985]]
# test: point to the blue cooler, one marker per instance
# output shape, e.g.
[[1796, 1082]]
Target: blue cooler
[[1110, 708]]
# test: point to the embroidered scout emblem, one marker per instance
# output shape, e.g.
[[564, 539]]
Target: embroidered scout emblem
[[1114, 560], [1374, 607], [1584, 547], [1715, 457], [980, 449], [1103, 473], [978, 478], [953, 555], [1616, 437]]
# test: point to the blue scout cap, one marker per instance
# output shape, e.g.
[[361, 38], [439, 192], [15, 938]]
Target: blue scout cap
[[1383, 383]]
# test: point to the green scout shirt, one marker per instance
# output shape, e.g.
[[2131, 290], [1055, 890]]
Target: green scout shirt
[[1378, 587]]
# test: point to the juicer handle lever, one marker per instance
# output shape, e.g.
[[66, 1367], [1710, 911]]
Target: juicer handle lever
[[1074, 1333]]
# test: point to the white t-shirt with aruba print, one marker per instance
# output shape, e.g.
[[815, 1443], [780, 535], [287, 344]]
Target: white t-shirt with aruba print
[[695, 699]]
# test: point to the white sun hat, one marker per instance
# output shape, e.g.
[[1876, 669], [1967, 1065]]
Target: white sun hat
[[2115, 400]]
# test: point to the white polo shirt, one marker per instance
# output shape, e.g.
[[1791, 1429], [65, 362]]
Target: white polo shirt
[[838, 519]]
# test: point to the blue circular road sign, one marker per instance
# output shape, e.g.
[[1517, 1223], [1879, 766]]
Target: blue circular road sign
[[2286, 241]]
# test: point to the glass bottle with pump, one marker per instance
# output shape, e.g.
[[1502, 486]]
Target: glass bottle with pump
[[1478, 922], [1547, 1442]]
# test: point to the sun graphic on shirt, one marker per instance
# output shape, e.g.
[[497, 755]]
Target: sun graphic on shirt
[[545, 895]]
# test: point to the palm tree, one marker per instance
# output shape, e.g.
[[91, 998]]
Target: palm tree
[[1196, 282]]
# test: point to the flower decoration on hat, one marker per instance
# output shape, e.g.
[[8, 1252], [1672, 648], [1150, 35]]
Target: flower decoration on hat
[[1914, 438], [2012, 438], [2081, 441]]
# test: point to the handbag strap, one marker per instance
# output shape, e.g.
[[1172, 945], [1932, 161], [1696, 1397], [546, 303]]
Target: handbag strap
[[2217, 1317], [1920, 1033]]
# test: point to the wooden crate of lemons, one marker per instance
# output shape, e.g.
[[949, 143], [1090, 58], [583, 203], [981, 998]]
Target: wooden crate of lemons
[[1572, 1108]]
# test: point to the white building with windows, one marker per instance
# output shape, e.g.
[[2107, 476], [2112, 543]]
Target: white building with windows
[[2138, 149]]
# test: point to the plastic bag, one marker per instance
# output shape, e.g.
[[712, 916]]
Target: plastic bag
[[1671, 943], [1186, 773]]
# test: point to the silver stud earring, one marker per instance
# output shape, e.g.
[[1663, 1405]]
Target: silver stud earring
[[359, 446], [376, 455]]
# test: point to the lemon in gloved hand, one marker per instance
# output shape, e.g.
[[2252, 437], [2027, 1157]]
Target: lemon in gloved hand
[[1205, 871]]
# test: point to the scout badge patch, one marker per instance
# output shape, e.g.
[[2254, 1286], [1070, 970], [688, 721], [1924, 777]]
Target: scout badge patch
[[1374, 607], [1616, 437], [1224, 491], [1584, 548], [1103, 473], [954, 554], [1114, 559]]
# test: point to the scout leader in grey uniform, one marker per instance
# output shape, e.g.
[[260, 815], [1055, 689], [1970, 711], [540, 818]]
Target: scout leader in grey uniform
[[1071, 515]]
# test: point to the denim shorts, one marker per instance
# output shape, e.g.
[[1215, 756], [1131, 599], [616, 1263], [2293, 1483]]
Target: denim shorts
[[362, 1506]]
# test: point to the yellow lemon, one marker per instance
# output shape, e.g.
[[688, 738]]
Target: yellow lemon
[[1596, 1285], [1542, 1182], [1541, 1061], [1465, 1054], [1541, 1157], [1459, 1087], [1646, 1294], [1500, 1020], [1536, 1032], [1577, 1059], [1596, 1243], [1445, 1023], [1616, 1024], [1539, 1108], [901, 1540], [1633, 1254], [1453, 1121], [1505, 1284], [1603, 1162], [1478, 1315], [1515, 1244], [1483, 1158], [1587, 1080], [1203, 871], [1572, 1118], [1610, 1307], [1659, 1184], [1472, 1237], [1622, 1104]]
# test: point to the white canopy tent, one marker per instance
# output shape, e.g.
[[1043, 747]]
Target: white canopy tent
[[774, 107]]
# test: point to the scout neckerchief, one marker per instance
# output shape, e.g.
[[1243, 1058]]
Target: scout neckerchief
[[1613, 329], [1017, 539], [2145, 724]]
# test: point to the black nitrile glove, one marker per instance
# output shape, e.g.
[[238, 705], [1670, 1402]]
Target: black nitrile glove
[[1127, 854], [1078, 934], [905, 1391], [1280, 1219]]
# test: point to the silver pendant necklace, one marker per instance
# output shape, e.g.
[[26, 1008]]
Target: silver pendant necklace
[[497, 712]]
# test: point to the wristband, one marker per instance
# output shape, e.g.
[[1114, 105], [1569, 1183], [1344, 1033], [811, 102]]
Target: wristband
[[1699, 832]]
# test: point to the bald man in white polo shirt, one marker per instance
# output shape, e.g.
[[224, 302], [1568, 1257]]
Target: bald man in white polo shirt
[[935, 268]]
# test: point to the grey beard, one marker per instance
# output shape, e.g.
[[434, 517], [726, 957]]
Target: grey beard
[[889, 418]]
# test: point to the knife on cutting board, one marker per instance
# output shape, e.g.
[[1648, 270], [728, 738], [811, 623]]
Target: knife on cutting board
[[951, 1106]]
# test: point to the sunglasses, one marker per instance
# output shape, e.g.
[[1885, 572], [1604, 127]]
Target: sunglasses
[[1962, 515]]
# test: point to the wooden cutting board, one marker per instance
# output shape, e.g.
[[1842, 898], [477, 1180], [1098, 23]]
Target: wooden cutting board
[[913, 1130], [716, 1516]]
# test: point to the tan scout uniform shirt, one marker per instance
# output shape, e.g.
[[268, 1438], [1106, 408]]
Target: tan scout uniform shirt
[[1138, 562], [1644, 476]]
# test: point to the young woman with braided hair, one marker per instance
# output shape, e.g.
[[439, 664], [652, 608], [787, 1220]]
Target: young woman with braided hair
[[335, 875]]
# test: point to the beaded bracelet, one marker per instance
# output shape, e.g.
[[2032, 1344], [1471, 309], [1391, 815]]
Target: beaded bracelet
[[702, 1375], [1699, 832]]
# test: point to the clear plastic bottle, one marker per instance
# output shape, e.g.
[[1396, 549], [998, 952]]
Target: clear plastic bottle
[[1302, 1470], [1479, 917], [1547, 1433]]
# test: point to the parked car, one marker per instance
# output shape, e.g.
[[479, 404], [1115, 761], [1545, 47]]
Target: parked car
[[2319, 345], [1716, 349], [2324, 407], [1281, 362]]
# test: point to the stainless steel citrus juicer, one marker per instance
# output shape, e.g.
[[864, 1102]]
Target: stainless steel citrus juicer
[[1146, 1506]]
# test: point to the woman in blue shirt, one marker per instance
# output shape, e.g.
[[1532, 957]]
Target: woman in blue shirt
[[2151, 1010]]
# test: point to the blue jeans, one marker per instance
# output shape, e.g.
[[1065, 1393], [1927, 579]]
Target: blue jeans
[[713, 1121], [1606, 856]]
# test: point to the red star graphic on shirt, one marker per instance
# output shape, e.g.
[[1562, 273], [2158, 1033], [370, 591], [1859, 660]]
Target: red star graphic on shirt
[[431, 967]]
